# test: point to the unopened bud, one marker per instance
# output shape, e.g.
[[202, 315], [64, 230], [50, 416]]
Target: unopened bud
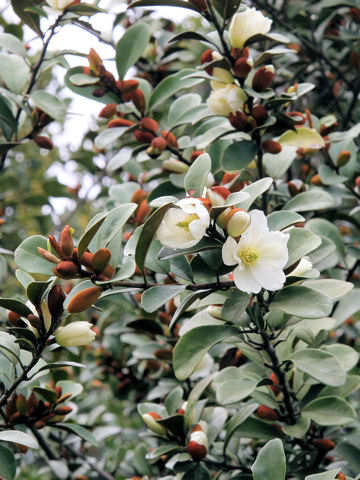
[[343, 158], [96, 63], [270, 146], [13, 318], [198, 445], [237, 222], [324, 444], [267, 413], [66, 270], [207, 57], [129, 86], [47, 255], [99, 92], [293, 189], [34, 321], [120, 122], [138, 99], [215, 311], [200, 4], [86, 260], [143, 137], [108, 111], [84, 299], [340, 476], [170, 138], [43, 142], [243, 67], [66, 241], [101, 260], [241, 121], [63, 410], [357, 182], [274, 386], [240, 52], [56, 300], [56, 246], [263, 78], [175, 166], [217, 195], [195, 154], [260, 114], [316, 180], [159, 144], [150, 421]]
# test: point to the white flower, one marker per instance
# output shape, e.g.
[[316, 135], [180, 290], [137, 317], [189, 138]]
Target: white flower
[[260, 254], [226, 100], [303, 266], [184, 226], [246, 24], [75, 334], [59, 4]]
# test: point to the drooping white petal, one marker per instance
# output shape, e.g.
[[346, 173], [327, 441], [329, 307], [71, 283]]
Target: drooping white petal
[[229, 252], [245, 281]]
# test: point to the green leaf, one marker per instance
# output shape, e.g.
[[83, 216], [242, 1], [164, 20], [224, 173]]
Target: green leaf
[[68, 386], [238, 155], [16, 436], [347, 356], [49, 103], [314, 199], [283, 219], [186, 303], [321, 365], [203, 245], [147, 234], [350, 453], [79, 431], [192, 347], [131, 46], [29, 259], [46, 394], [84, 9], [87, 90], [199, 472], [155, 297], [194, 398], [9, 348], [330, 411], [196, 176], [334, 289], [234, 390], [237, 420], [302, 138], [12, 44], [324, 228], [329, 474], [255, 190], [90, 231], [276, 165], [302, 302], [173, 400], [167, 3], [7, 463], [15, 306], [299, 429], [35, 291], [270, 463], [80, 79], [29, 18], [301, 242], [235, 305], [14, 72], [8, 122], [61, 364], [172, 84]]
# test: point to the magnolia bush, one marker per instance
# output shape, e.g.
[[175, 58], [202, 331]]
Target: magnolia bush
[[196, 317]]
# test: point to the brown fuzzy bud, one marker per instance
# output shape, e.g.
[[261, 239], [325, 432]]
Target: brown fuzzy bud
[[343, 158], [149, 125], [86, 259], [109, 77], [142, 212], [108, 111], [170, 138], [270, 146], [34, 321], [316, 180], [63, 398], [99, 92], [138, 99], [96, 63], [195, 154], [66, 270], [56, 246], [43, 142], [260, 114], [207, 57], [63, 410], [159, 144], [297, 117], [56, 300], [129, 86], [241, 121], [324, 444], [13, 318], [243, 67], [355, 13], [325, 130], [357, 182], [39, 424], [293, 189], [197, 452], [274, 387], [84, 299], [58, 391], [47, 255], [263, 78], [240, 52], [86, 70], [143, 137], [66, 241], [200, 4], [340, 476], [120, 122], [267, 413], [108, 272], [101, 260], [138, 196]]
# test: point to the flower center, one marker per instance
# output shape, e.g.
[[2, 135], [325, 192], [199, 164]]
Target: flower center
[[185, 223], [249, 256]]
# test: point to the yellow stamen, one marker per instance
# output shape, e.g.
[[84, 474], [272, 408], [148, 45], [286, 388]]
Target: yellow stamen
[[185, 223], [249, 256]]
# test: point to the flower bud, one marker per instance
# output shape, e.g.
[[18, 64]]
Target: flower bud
[[66, 270], [149, 124], [247, 24], [198, 445], [86, 260], [324, 444], [357, 182], [43, 142], [99, 92], [316, 180], [241, 121], [267, 413], [159, 144], [120, 122], [96, 64], [108, 111], [243, 67], [56, 246], [340, 476], [175, 166], [63, 410], [13, 318], [270, 146], [170, 138], [217, 195], [263, 78], [101, 260], [215, 311], [237, 222], [143, 137], [240, 52], [274, 387], [129, 86], [66, 241], [221, 219], [343, 158], [34, 321], [48, 255], [260, 114], [195, 154], [138, 99], [84, 299], [200, 4], [56, 300], [150, 421], [75, 334], [207, 57]]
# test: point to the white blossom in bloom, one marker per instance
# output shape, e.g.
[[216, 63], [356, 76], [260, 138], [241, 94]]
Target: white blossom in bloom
[[226, 100], [246, 24], [75, 334], [59, 4], [260, 256], [184, 225]]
